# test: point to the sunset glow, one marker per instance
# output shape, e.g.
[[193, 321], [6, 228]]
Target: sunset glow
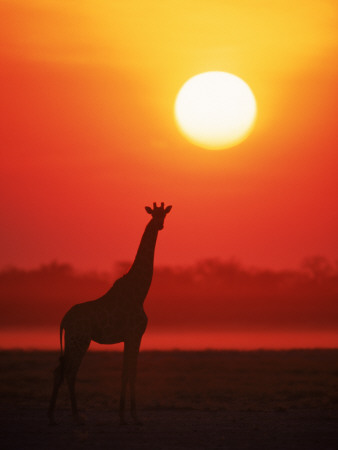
[[215, 110]]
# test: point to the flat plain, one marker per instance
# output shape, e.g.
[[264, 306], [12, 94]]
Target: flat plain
[[187, 400]]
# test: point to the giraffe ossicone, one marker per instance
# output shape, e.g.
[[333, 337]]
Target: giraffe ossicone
[[117, 316]]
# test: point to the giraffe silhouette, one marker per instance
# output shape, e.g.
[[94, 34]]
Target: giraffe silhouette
[[117, 316]]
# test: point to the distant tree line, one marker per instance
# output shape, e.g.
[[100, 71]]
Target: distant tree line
[[209, 295]]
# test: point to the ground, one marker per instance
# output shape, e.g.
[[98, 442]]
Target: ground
[[187, 400]]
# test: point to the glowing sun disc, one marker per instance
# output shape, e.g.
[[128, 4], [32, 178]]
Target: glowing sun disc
[[215, 110]]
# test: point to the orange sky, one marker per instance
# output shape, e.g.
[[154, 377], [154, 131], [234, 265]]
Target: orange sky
[[88, 136]]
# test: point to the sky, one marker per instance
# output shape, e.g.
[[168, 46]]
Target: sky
[[89, 137], [88, 134]]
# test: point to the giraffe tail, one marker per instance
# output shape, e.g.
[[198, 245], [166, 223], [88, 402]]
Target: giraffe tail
[[61, 333], [60, 368], [59, 371]]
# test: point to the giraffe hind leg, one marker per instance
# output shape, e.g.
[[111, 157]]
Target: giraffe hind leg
[[74, 356], [58, 379]]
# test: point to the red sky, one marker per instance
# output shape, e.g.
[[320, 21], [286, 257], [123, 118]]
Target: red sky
[[88, 135]]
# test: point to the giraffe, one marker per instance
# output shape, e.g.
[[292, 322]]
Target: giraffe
[[117, 316]]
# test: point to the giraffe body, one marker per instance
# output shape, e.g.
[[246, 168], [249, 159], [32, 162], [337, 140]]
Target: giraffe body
[[112, 318], [117, 316]]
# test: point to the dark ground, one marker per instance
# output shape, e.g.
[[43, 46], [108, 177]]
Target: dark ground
[[187, 400]]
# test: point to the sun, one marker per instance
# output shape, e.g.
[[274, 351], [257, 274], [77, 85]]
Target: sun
[[215, 110]]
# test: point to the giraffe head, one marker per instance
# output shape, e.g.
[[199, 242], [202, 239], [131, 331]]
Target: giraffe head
[[158, 213]]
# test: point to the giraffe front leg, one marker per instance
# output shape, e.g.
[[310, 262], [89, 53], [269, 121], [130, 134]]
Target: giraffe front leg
[[134, 414], [131, 350], [125, 373], [133, 357]]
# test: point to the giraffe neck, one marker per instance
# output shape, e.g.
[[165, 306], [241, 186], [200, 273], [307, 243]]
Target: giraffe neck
[[144, 260]]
